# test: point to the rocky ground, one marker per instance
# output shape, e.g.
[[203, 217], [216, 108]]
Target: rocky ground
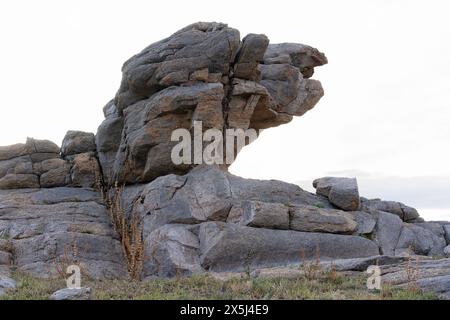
[[116, 205]]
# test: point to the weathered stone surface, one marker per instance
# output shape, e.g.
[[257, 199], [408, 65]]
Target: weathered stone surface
[[415, 239], [361, 264], [57, 177], [72, 294], [170, 62], [447, 233], [19, 181], [301, 56], [47, 226], [203, 72], [172, 250], [260, 214], [314, 219], [366, 222], [85, 171], [39, 164], [202, 195], [6, 283], [447, 251], [342, 192], [20, 165], [249, 56], [5, 258], [273, 191], [76, 142], [429, 275], [387, 232], [225, 246], [145, 151], [404, 212], [208, 193]]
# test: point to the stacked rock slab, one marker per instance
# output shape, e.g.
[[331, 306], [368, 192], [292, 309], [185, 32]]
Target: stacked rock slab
[[42, 164], [51, 216]]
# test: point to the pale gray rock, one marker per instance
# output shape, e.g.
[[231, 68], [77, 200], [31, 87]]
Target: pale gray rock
[[43, 226], [19, 181], [366, 222], [5, 258], [226, 247], [314, 219], [203, 72], [57, 177], [204, 194], [170, 62], [6, 284], [387, 232], [172, 250], [447, 251], [85, 171], [208, 193], [72, 294], [447, 233], [361, 264], [407, 214], [13, 151], [342, 192], [260, 215], [430, 275], [76, 142], [415, 239], [250, 54]]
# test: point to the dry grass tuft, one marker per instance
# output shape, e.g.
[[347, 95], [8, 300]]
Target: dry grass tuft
[[130, 231]]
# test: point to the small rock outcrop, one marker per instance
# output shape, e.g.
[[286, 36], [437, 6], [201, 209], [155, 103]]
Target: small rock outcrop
[[342, 192]]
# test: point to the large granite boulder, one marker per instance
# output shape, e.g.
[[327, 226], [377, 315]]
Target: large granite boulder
[[219, 246], [204, 72], [342, 192]]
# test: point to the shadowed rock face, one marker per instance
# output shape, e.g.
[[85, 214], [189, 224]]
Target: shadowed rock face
[[203, 72]]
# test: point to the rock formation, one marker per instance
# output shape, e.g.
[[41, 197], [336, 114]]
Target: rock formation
[[61, 205]]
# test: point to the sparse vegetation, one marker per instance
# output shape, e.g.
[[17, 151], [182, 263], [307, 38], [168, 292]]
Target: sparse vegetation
[[130, 232], [329, 285], [69, 257]]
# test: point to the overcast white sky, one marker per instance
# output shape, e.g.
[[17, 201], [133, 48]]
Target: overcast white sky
[[385, 117]]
